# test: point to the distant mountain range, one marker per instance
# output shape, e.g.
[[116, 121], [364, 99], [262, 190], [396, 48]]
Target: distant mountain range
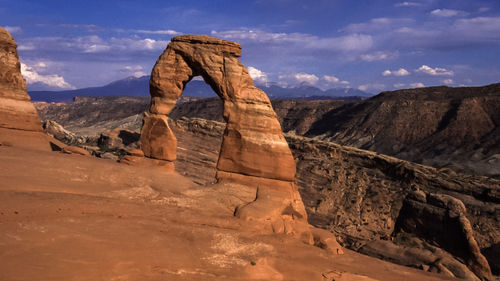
[[133, 86]]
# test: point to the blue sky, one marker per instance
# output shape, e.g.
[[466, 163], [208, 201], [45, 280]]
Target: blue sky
[[369, 45]]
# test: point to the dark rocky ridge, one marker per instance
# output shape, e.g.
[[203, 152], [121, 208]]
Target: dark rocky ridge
[[439, 126]]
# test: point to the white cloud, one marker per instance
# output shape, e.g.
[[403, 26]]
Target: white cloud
[[92, 44], [479, 28], [300, 41], [131, 44], [305, 77], [12, 29], [257, 75], [135, 67], [96, 48], [298, 78], [372, 86], [448, 13], [28, 47], [352, 42], [139, 74], [330, 79], [377, 24], [448, 81], [158, 32], [399, 85], [134, 70], [438, 71], [391, 34], [399, 72], [483, 9], [32, 76], [417, 85], [407, 4], [377, 56], [363, 87]]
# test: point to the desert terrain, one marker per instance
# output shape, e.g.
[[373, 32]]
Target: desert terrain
[[85, 204]]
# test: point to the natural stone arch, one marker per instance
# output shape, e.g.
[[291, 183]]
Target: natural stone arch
[[254, 151], [253, 143]]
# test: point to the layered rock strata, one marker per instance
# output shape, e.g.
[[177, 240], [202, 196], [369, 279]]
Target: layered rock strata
[[254, 151], [19, 121]]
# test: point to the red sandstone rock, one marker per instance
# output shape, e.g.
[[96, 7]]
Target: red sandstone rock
[[140, 160], [326, 240], [254, 151], [16, 111], [75, 150], [253, 142], [157, 139]]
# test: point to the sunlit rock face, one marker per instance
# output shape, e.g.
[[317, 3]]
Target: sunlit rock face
[[254, 151], [19, 121], [253, 142]]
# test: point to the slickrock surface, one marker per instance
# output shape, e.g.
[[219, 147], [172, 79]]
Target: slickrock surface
[[18, 116], [72, 217], [254, 151]]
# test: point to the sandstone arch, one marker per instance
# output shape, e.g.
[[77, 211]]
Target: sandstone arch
[[253, 143], [254, 150]]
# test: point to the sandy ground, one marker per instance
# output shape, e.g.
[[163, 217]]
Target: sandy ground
[[72, 217]]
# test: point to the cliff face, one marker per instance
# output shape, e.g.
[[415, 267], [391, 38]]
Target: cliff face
[[440, 126], [19, 121]]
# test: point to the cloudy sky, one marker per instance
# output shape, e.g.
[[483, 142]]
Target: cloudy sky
[[371, 45]]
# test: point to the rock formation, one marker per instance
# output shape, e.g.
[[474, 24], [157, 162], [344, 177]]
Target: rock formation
[[19, 121], [55, 130], [442, 219], [254, 151], [253, 142]]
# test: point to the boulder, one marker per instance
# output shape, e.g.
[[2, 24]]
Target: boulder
[[441, 219], [118, 139], [54, 129]]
